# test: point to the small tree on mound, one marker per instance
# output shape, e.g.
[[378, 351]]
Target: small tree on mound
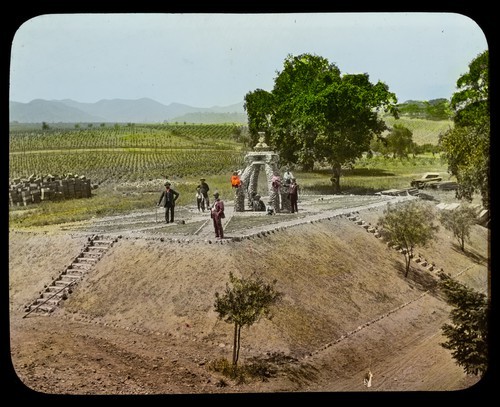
[[408, 224], [243, 304], [459, 221]]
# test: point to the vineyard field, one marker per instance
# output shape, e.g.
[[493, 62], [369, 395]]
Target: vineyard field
[[127, 153], [132, 152]]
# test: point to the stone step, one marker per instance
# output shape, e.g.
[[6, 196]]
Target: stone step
[[72, 276], [88, 260], [75, 272], [96, 249], [68, 278], [81, 265], [103, 242], [54, 293], [43, 308], [52, 302], [52, 289], [61, 283], [91, 255]]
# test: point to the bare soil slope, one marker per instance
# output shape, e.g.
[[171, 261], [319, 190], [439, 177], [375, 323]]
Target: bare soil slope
[[142, 321]]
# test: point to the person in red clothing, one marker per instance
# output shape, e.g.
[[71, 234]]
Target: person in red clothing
[[235, 180], [217, 214]]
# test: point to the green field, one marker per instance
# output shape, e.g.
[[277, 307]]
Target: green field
[[424, 131], [129, 162]]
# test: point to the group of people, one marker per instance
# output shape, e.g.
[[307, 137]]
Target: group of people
[[169, 196]]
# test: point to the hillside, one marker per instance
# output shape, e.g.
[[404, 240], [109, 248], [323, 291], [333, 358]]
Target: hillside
[[142, 321], [424, 131], [142, 110]]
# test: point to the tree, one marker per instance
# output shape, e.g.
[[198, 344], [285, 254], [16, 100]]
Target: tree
[[258, 105], [435, 109], [244, 304], [408, 225], [468, 332], [315, 114], [438, 109], [399, 141], [467, 145], [459, 221]]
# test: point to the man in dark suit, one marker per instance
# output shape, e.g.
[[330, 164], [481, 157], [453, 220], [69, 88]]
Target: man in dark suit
[[168, 196]]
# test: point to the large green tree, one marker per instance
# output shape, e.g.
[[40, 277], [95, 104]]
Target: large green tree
[[467, 145], [318, 115]]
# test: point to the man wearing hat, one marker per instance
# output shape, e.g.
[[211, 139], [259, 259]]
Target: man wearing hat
[[204, 188], [217, 214], [168, 196]]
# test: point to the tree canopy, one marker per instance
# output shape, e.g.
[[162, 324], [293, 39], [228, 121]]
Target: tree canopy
[[316, 114], [409, 224], [244, 303], [459, 221], [400, 141], [467, 334], [435, 109], [467, 145]]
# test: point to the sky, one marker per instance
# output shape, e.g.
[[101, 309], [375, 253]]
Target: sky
[[207, 60]]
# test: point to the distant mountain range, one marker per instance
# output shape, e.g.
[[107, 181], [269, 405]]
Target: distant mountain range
[[143, 110]]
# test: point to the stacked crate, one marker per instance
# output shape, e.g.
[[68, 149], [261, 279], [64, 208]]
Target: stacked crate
[[49, 188]]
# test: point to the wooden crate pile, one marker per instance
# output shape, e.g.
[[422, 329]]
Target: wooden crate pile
[[25, 191]]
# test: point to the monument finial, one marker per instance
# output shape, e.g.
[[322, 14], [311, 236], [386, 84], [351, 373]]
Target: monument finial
[[261, 145]]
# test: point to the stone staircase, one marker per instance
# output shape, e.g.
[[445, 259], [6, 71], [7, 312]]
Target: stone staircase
[[62, 286]]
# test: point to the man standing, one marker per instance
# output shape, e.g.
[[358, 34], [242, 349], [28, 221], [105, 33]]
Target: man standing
[[204, 188], [200, 200], [169, 196], [287, 177], [293, 195], [217, 214]]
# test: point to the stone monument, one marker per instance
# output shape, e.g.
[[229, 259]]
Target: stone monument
[[262, 158]]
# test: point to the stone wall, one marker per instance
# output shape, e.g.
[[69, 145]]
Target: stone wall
[[34, 189]]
